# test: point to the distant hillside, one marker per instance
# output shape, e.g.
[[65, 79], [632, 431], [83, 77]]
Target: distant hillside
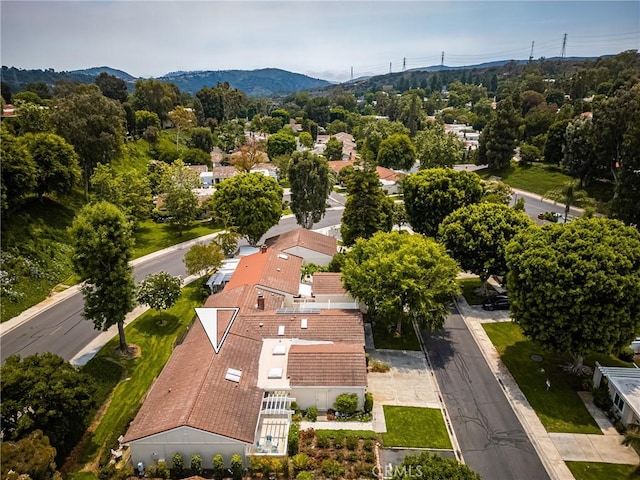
[[265, 82], [498, 63]]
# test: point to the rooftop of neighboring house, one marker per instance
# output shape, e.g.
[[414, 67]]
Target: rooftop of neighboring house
[[301, 237], [328, 283], [383, 172], [269, 268], [198, 168]]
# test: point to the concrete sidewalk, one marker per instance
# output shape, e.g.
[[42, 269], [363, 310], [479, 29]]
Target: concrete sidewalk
[[553, 448]]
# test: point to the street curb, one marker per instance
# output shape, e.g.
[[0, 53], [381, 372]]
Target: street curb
[[546, 200]]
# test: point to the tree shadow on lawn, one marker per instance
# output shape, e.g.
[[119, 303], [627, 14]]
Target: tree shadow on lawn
[[156, 324], [559, 407]]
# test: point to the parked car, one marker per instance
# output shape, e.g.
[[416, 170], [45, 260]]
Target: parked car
[[498, 302], [635, 345]]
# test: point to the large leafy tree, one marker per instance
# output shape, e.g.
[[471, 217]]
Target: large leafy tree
[[310, 186], [280, 144], [436, 148], [130, 190], [112, 87], [553, 147], [32, 118], [367, 210], [401, 277], [203, 259], [155, 96], [93, 124], [431, 465], [580, 157], [19, 173], [397, 151], [373, 132], [432, 194], [498, 139], [102, 243], [32, 455], [159, 291], [44, 392], [477, 236], [180, 201], [251, 201], [575, 287], [57, 163], [333, 149], [182, 119], [625, 203], [146, 119]]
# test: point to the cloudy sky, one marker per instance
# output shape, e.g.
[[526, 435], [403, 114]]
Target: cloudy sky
[[323, 39]]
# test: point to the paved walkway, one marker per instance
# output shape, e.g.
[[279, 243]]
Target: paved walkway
[[553, 448]]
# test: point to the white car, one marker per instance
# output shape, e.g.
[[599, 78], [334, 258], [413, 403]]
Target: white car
[[635, 345]]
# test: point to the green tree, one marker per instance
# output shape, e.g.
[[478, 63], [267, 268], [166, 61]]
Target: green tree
[[436, 148], [411, 113], [112, 87], [129, 190], [431, 465], [401, 277], [498, 139], [44, 392], [476, 236], [367, 209], [569, 194], [432, 194], [102, 244], [333, 149], [202, 138], [306, 140], [555, 142], [32, 119], [159, 291], [495, 191], [310, 187], [371, 134], [32, 455], [195, 156], [19, 172], [397, 151], [93, 124], [56, 162], [251, 201], [575, 287], [203, 259], [280, 144], [580, 157], [529, 153], [146, 119], [182, 119], [230, 135], [625, 203], [155, 96]]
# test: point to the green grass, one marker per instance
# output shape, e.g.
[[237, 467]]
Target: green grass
[[383, 339], [600, 471], [81, 476], [415, 427], [560, 409], [536, 177], [469, 288], [154, 333], [363, 434], [151, 236]]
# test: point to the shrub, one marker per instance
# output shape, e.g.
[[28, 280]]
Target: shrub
[[332, 469], [352, 457], [346, 403], [293, 440], [178, 463], [295, 407], [218, 467], [312, 413], [626, 354], [368, 445], [378, 366], [236, 467], [601, 398], [305, 476], [161, 470], [196, 464], [301, 462], [338, 442], [322, 439], [368, 402], [352, 442]]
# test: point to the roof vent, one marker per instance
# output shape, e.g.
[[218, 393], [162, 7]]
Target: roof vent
[[303, 323], [275, 372], [279, 349], [280, 330], [233, 375], [283, 256]]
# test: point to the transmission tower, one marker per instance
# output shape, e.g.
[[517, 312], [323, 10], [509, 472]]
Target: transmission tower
[[389, 67], [564, 46], [442, 60], [404, 64], [533, 42], [351, 73]]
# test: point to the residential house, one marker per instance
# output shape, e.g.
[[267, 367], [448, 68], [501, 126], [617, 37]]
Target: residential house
[[312, 247], [624, 389]]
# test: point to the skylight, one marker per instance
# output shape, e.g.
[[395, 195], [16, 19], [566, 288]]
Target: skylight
[[279, 350], [233, 375], [283, 256], [281, 330], [275, 372], [303, 323]]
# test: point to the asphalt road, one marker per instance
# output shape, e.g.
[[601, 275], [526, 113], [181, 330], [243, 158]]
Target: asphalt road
[[491, 438], [61, 328]]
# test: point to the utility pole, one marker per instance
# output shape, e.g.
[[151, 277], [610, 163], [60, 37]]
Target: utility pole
[[404, 64], [533, 42], [564, 46], [442, 60]]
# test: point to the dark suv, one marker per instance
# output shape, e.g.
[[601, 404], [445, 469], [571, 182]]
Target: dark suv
[[499, 302]]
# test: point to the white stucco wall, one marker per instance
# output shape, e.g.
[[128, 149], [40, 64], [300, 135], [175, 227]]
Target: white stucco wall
[[324, 397], [187, 441]]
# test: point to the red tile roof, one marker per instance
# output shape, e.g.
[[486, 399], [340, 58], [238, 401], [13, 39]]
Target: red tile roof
[[327, 283], [301, 237], [271, 270], [337, 364]]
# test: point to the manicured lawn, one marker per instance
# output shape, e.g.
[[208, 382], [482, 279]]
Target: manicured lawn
[[151, 236], [81, 476], [560, 409], [415, 427], [383, 339], [155, 334], [469, 288], [600, 471]]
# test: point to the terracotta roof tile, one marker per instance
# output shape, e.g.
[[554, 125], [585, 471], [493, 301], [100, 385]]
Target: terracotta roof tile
[[270, 270], [327, 283], [301, 237], [327, 365]]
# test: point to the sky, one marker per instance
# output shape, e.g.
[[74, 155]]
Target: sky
[[323, 39]]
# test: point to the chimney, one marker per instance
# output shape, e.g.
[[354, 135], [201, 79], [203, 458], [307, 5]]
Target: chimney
[[263, 249], [260, 301]]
